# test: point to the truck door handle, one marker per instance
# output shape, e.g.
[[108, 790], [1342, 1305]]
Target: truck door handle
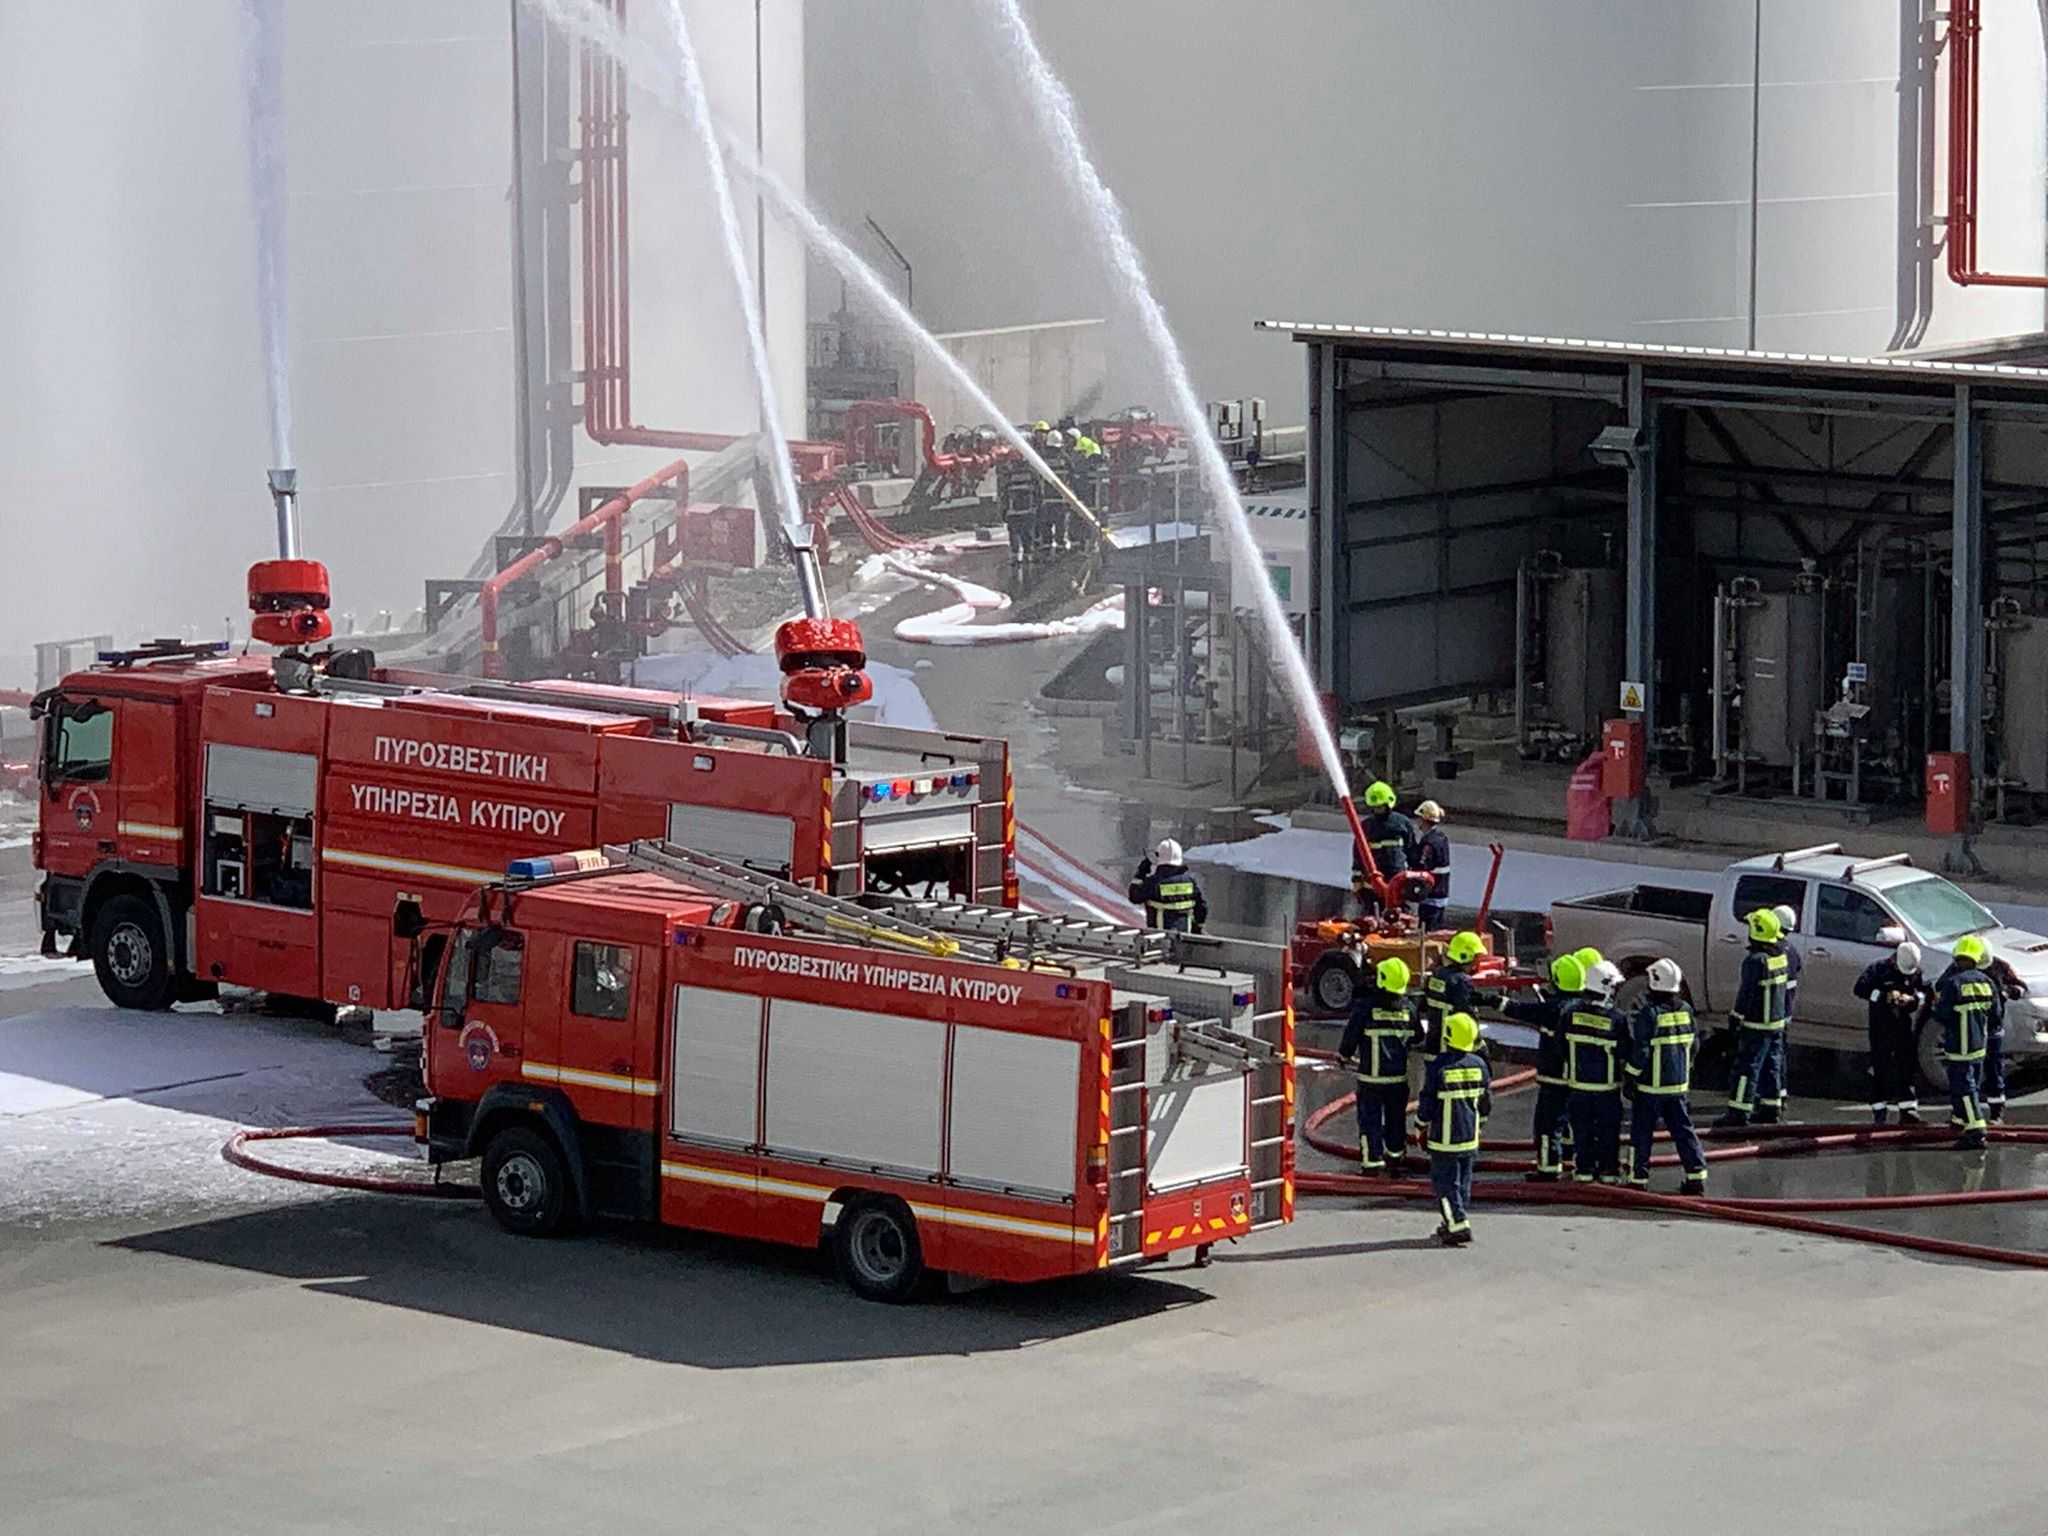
[[1816, 949], [1731, 938], [106, 845]]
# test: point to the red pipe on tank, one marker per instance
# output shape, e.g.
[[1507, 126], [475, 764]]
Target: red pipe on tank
[[609, 516], [1965, 103]]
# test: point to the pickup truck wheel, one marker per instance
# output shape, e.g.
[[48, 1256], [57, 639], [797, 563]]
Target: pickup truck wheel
[[1927, 1055], [526, 1182], [130, 954], [1333, 983], [875, 1246]]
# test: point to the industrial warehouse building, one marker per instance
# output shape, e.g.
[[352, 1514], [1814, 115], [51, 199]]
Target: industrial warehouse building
[[1815, 570]]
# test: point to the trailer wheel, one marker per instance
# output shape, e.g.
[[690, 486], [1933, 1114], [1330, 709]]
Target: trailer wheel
[[1333, 982], [875, 1245], [131, 955], [526, 1182]]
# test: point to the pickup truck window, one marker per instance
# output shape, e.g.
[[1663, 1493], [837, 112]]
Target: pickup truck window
[[1851, 916], [1753, 891], [1938, 911]]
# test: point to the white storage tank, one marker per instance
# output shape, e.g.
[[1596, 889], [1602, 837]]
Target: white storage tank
[[1568, 167]]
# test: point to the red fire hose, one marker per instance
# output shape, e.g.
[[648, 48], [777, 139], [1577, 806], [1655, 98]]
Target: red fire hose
[[236, 1151]]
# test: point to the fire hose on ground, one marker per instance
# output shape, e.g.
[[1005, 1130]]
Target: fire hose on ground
[[1785, 1214], [1789, 1214]]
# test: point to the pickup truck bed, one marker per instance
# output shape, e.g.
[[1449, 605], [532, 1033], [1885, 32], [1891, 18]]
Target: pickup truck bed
[[1649, 901]]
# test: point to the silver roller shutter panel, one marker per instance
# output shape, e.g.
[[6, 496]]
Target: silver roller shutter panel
[[745, 837], [259, 779], [1015, 1110], [1196, 1130], [715, 1066], [860, 1088]]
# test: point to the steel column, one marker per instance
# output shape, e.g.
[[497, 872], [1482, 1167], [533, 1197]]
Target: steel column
[[1327, 515], [1966, 592], [1638, 818]]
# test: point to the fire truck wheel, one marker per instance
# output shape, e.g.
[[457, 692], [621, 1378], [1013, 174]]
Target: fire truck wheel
[[526, 1182], [875, 1244], [1333, 983], [130, 955]]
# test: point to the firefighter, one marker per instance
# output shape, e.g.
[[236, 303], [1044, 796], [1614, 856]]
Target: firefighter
[[1053, 514], [1390, 836], [1788, 920], [1168, 891], [1965, 1003], [1662, 1042], [1017, 490], [1432, 858], [1375, 1046], [1456, 1098], [1596, 1044], [1450, 988], [1758, 1019], [1549, 1126], [1898, 994]]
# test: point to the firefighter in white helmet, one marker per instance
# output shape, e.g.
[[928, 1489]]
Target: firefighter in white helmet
[[1168, 890], [1897, 991], [1663, 1039]]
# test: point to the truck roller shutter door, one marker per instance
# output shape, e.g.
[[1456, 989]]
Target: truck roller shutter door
[[864, 1090], [1196, 1130], [1015, 1099], [258, 779], [745, 837], [716, 1066]]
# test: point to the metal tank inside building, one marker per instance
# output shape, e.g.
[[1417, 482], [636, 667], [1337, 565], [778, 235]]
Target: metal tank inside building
[[136, 374], [1715, 172]]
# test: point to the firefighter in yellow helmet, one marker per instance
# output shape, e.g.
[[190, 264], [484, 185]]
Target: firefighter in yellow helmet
[[1762, 1007], [1457, 1096], [1376, 1042], [1390, 836]]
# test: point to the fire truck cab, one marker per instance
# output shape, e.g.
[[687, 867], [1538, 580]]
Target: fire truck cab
[[211, 819], [926, 1087]]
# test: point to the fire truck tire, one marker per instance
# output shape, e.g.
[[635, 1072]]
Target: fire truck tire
[[131, 955], [526, 1182], [875, 1246], [1333, 983]]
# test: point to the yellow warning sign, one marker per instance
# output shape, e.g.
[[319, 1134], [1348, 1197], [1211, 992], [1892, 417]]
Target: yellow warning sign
[[1632, 698]]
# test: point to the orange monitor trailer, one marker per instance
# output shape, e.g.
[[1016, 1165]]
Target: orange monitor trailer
[[213, 819], [927, 1088]]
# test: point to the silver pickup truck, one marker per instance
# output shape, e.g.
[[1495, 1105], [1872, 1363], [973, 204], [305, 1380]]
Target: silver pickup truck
[[1851, 912]]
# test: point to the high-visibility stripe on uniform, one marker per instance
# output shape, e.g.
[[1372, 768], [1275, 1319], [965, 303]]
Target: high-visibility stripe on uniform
[[1672, 1037]]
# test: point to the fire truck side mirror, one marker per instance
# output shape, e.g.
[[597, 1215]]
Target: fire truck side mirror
[[408, 920]]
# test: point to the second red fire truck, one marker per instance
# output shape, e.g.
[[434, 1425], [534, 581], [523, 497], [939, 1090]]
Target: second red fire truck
[[926, 1086]]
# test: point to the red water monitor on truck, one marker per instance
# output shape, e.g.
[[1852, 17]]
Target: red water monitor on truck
[[214, 819], [925, 1086]]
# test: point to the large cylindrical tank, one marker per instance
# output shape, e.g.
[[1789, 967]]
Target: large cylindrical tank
[[133, 386], [1569, 167]]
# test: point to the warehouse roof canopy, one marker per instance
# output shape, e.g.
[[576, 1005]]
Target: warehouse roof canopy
[[1976, 365]]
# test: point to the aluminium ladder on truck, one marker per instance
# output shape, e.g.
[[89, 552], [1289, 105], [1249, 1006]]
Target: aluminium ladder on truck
[[1167, 1036]]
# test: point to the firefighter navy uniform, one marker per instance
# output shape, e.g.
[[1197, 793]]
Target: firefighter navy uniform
[[1550, 1125], [2002, 977], [1965, 1000], [1456, 1098], [1759, 1019], [1596, 1045], [1896, 999], [1433, 858], [1171, 896], [1381, 1030], [1663, 1038]]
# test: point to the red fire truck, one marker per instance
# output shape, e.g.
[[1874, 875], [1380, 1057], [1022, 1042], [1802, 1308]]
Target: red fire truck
[[927, 1086], [209, 818]]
